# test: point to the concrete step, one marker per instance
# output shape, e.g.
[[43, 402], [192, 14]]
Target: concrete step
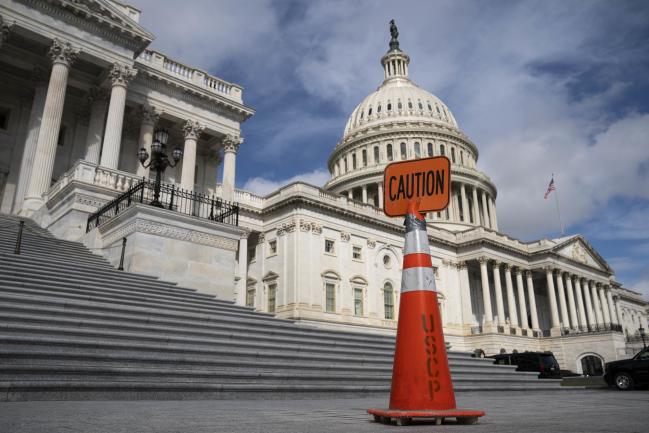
[[52, 256], [262, 324], [180, 332]]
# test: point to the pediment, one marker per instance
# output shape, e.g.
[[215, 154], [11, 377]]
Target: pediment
[[580, 251], [270, 275], [107, 14]]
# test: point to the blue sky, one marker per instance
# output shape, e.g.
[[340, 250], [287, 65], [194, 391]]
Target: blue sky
[[540, 86]]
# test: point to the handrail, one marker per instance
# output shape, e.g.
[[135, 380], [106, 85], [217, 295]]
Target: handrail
[[171, 198]]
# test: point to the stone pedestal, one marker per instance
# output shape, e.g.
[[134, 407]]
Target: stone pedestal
[[192, 252]]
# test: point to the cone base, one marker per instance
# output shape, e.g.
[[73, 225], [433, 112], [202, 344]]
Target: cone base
[[403, 417]]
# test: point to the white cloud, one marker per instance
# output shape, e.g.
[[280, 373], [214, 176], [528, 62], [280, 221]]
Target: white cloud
[[263, 186]]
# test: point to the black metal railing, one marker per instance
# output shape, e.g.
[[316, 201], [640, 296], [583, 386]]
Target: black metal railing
[[171, 198], [591, 329]]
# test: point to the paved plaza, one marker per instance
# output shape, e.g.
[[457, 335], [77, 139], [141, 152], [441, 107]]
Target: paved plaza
[[588, 411]]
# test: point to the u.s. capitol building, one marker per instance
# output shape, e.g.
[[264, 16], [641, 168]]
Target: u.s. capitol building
[[81, 93]]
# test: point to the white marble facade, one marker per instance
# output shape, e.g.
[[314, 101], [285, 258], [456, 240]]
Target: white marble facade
[[81, 92]]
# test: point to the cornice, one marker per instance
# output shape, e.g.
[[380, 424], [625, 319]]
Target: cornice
[[154, 80]]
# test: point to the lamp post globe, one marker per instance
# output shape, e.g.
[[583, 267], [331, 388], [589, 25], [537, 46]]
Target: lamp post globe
[[159, 161]]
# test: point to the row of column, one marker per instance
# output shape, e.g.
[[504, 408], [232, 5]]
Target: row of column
[[102, 143], [576, 302], [471, 210]]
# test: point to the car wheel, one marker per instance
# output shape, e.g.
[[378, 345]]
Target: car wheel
[[623, 381]]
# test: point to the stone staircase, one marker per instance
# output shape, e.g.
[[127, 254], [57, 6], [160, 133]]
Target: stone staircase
[[74, 327]]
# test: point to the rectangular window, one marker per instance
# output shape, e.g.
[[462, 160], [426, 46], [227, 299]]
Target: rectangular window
[[357, 252], [388, 304], [272, 293], [353, 161], [330, 246], [330, 288], [404, 154], [364, 154], [389, 152], [358, 302], [376, 154], [250, 296], [272, 247], [417, 150], [430, 149]]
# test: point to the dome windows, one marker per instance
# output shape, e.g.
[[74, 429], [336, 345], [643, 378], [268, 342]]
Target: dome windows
[[378, 109], [417, 150], [362, 114], [429, 107], [364, 157], [453, 155], [399, 105], [369, 112], [437, 107], [442, 151], [421, 107], [389, 152], [389, 106], [404, 152], [376, 155], [410, 104], [430, 149], [353, 161]]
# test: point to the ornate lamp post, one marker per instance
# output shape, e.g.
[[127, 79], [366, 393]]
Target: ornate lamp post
[[641, 332], [159, 160]]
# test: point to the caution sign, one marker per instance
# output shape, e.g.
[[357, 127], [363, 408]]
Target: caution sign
[[425, 180]]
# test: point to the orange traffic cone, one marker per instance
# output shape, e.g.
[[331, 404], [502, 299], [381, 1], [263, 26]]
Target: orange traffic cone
[[421, 380]]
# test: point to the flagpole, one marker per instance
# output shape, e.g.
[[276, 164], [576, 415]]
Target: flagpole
[[556, 198]]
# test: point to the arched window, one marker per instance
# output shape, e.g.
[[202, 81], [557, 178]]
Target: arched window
[[441, 150], [389, 106], [378, 109], [404, 153], [453, 155], [388, 301], [421, 107], [364, 153], [376, 154], [417, 150], [369, 112], [430, 149], [429, 107], [461, 157], [353, 161], [410, 105], [591, 365], [389, 152], [399, 105], [345, 160]]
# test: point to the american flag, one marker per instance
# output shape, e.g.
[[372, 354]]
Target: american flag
[[550, 188]]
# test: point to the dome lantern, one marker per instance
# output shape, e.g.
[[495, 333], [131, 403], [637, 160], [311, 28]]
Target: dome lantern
[[395, 62]]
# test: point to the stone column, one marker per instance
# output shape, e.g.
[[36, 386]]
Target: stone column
[[589, 305], [562, 300], [149, 119], [616, 304], [595, 299], [532, 299], [465, 205], [33, 127], [485, 213], [486, 296], [500, 307], [240, 295], [465, 292], [230, 147], [364, 188], [580, 304], [451, 206], [192, 131], [571, 301], [604, 303], [380, 189], [476, 207], [97, 98], [554, 311], [521, 298], [62, 55], [120, 75], [492, 213], [511, 301], [611, 307]]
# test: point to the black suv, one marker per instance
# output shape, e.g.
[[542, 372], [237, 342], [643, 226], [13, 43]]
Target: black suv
[[543, 363], [628, 373]]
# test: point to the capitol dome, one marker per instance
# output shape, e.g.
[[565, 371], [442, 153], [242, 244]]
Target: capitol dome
[[401, 121]]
